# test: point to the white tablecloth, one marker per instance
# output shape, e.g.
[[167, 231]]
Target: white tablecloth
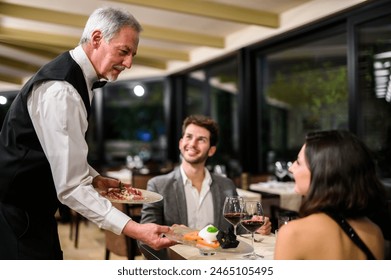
[[289, 199], [248, 195]]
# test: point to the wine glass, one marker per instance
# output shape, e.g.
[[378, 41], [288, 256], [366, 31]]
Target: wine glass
[[252, 218], [280, 170], [232, 210]]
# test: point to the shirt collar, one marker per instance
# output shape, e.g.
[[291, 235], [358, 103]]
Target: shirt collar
[[81, 58], [185, 179], [183, 174]]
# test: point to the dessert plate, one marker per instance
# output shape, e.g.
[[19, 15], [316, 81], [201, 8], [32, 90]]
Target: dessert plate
[[177, 232]]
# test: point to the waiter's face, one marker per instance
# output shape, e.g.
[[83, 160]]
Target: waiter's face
[[117, 55]]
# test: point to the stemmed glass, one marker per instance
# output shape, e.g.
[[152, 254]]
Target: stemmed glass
[[232, 210], [280, 170], [252, 218]]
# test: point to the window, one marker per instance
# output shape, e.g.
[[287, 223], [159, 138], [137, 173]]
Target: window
[[213, 91], [305, 88], [374, 89], [223, 82], [196, 93], [133, 121]]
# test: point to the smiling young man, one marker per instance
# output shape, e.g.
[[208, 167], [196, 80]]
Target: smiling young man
[[43, 148], [192, 195]]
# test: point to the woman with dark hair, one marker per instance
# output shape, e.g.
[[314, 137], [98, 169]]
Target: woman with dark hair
[[336, 174]]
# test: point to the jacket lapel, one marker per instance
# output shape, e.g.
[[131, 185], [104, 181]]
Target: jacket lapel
[[180, 196], [217, 203]]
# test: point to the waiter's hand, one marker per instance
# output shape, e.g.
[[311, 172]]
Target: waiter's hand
[[102, 183], [150, 234]]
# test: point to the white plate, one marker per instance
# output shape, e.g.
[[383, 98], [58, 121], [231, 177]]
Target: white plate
[[177, 233], [149, 197]]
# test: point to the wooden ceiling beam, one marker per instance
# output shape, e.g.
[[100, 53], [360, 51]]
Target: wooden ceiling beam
[[17, 64], [168, 34], [165, 54], [212, 10], [44, 51], [158, 62], [52, 40], [147, 61], [11, 79], [55, 44], [40, 14], [76, 20]]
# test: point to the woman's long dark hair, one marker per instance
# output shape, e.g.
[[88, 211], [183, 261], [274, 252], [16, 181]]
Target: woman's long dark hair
[[343, 176]]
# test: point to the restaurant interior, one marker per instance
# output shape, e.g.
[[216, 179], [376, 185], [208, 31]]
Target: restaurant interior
[[267, 71]]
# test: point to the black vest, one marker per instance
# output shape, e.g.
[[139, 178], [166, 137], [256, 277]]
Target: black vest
[[26, 180]]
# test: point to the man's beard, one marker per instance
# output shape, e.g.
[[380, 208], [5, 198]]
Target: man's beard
[[196, 160]]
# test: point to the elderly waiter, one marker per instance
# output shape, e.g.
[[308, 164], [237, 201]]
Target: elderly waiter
[[43, 152]]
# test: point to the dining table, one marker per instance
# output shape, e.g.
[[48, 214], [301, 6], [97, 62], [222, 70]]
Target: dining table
[[264, 246], [288, 198]]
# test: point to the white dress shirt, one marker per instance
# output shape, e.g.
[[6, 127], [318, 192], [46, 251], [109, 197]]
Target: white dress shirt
[[200, 210], [60, 121]]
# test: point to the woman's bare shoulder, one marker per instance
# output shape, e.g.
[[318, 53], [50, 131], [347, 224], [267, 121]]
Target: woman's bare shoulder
[[312, 222], [295, 238]]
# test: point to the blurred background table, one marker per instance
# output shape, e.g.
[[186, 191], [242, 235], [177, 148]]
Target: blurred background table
[[289, 199], [278, 199]]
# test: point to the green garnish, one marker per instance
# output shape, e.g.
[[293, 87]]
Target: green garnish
[[121, 185], [212, 229]]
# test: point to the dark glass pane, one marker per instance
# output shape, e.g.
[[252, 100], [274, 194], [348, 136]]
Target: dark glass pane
[[374, 87], [223, 82], [195, 93], [213, 91], [134, 125], [305, 89]]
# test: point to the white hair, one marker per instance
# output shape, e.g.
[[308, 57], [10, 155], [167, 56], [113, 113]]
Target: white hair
[[109, 21]]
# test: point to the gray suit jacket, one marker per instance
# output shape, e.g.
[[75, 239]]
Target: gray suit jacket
[[173, 210]]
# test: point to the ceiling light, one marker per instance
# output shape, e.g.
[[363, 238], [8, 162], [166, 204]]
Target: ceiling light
[[139, 90], [3, 100]]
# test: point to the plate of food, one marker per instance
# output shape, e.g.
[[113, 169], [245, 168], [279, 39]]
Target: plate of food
[[130, 195], [208, 239]]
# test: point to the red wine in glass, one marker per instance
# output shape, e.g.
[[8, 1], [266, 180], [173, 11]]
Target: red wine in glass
[[251, 225], [232, 210], [252, 218], [232, 218]]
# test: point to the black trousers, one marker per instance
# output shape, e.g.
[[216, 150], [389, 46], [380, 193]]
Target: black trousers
[[28, 236]]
